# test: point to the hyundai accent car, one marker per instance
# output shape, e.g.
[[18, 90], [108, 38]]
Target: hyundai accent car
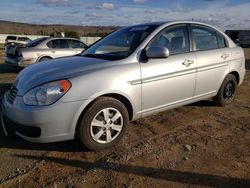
[[42, 49], [131, 73]]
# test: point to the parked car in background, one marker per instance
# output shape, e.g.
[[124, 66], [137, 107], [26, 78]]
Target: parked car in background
[[131, 73], [42, 49], [16, 40], [240, 37]]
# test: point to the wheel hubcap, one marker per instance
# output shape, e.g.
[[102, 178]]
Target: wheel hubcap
[[106, 125], [229, 90]]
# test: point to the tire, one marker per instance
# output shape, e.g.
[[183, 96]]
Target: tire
[[98, 132], [44, 59], [227, 91]]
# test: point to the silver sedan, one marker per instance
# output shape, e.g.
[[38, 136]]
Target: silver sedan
[[42, 49], [129, 74]]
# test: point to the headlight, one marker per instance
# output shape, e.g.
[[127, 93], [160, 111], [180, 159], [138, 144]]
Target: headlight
[[47, 94]]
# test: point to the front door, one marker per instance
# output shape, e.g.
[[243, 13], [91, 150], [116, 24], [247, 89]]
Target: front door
[[169, 81]]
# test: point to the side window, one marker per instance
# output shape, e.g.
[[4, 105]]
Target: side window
[[221, 41], [175, 39], [204, 38], [58, 43], [49, 44], [11, 38], [76, 44]]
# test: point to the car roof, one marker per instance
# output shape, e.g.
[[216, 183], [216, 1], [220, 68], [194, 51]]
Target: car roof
[[63, 38], [174, 22]]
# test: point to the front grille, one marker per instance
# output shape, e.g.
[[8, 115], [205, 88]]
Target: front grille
[[12, 93]]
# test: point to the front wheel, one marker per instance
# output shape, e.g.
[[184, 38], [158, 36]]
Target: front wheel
[[227, 91], [104, 124]]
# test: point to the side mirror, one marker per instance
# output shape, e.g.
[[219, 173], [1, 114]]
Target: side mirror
[[157, 52]]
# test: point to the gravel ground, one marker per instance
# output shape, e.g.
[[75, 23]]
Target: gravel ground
[[199, 145]]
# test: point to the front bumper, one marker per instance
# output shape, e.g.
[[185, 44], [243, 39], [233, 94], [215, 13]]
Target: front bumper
[[41, 124]]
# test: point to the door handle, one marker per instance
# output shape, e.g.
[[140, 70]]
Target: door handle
[[188, 62], [53, 51], [224, 56]]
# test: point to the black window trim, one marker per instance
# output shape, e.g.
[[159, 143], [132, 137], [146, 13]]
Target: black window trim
[[209, 28], [170, 27]]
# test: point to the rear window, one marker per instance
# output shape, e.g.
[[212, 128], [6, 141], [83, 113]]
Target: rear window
[[10, 38], [35, 42]]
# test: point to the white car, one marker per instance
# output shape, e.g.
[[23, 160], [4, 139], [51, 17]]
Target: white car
[[16, 40], [129, 74], [42, 49]]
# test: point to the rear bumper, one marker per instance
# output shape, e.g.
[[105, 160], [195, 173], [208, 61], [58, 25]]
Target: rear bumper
[[242, 75], [18, 61]]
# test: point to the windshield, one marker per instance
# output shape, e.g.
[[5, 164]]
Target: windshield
[[120, 44], [35, 42]]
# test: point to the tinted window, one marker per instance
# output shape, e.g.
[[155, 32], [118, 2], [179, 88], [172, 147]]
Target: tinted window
[[246, 37], [23, 39], [234, 35], [10, 38], [76, 44], [175, 39], [35, 42], [58, 43], [204, 38], [221, 41]]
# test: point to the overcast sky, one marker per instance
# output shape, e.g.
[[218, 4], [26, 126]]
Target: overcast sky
[[225, 14]]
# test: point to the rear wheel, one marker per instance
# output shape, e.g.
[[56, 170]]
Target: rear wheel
[[104, 124], [227, 91], [45, 59]]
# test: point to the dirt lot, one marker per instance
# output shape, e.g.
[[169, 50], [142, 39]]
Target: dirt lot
[[198, 145]]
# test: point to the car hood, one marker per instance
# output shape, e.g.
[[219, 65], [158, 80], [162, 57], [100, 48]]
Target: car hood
[[56, 69]]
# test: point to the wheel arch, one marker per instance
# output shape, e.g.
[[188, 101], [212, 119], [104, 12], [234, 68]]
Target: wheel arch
[[41, 57], [124, 100], [237, 76]]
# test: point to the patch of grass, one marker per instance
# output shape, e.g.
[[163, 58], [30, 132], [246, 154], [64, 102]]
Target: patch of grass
[[1, 46]]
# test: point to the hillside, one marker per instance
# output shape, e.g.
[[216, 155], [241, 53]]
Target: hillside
[[7, 27]]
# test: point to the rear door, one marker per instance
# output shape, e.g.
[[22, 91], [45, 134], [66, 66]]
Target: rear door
[[59, 48], [213, 57]]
